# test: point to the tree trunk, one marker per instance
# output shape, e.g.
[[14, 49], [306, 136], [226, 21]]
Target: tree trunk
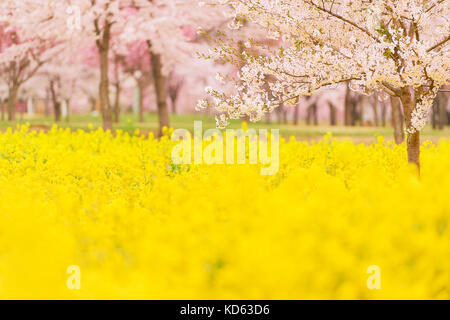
[[160, 89], [68, 110], [383, 114], [312, 115], [361, 103], [117, 103], [354, 112], [442, 110], [56, 103], [397, 120], [57, 109], [12, 102], [174, 104], [315, 114], [279, 111], [173, 94], [105, 105], [439, 112], [141, 100], [296, 111], [434, 114], [47, 101], [2, 107], [375, 111], [308, 116], [413, 139], [349, 108], [93, 103], [332, 113]]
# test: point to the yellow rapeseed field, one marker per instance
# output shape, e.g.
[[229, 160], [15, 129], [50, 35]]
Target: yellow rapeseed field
[[138, 226]]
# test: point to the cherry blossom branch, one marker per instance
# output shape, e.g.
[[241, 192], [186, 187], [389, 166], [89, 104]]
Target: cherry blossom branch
[[439, 44], [434, 5], [394, 92], [337, 16], [321, 86]]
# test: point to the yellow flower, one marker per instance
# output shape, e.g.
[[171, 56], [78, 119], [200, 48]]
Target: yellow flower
[[139, 226]]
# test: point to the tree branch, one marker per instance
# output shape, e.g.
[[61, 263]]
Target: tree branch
[[434, 5], [337, 16], [439, 44]]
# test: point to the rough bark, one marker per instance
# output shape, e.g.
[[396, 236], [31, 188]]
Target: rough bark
[[160, 89], [397, 120], [105, 105], [12, 102], [413, 139]]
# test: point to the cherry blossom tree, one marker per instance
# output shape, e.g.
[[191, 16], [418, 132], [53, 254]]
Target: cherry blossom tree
[[114, 23], [167, 26], [79, 23], [118, 77], [397, 48], [20, 59], [136, 63], [64, 76]]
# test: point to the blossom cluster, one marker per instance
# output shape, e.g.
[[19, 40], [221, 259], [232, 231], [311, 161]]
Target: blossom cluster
[[378, 47]]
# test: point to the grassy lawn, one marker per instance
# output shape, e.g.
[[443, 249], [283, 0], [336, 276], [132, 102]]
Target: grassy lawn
[[130, 123]]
